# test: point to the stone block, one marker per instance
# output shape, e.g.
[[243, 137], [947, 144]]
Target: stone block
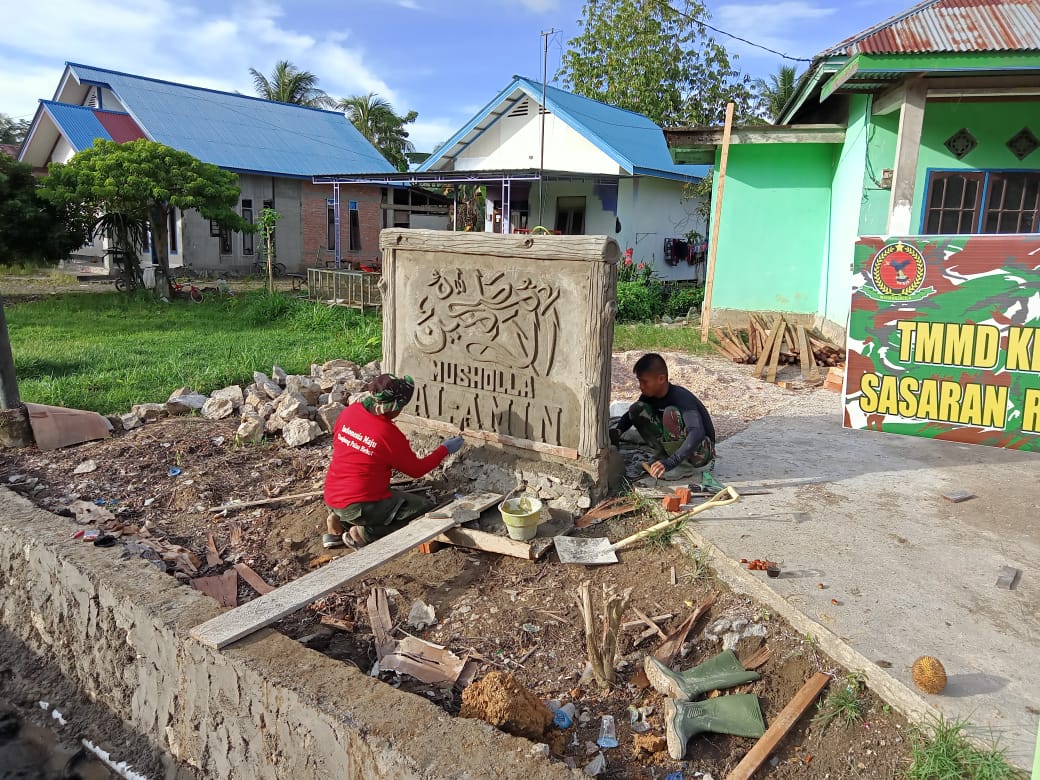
[[494, 342], [327, 414], [308, 387], [278, 375], [149, 412], [217, 408], [250, 430], [130, 420], [339, 365], [299, 432], [184, 404], [271, 389], [232, 392], [259, 377], [254, 400]]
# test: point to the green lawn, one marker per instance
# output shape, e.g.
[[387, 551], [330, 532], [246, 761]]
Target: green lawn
[[107, 351], [657, 338]]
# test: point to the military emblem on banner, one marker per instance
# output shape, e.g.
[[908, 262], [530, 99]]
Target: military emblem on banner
[[897, 274]]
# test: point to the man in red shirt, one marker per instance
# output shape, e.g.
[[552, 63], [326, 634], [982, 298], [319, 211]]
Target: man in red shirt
[[366, 448]]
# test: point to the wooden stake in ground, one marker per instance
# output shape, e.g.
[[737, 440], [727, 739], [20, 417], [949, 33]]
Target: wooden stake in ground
[[779, 727], [601, 632], [713, 247]]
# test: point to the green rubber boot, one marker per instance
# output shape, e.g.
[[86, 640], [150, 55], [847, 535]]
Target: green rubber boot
[[738, 714], [718, 673]]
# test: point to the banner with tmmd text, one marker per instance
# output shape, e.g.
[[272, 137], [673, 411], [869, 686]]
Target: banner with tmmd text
[[944, 339]]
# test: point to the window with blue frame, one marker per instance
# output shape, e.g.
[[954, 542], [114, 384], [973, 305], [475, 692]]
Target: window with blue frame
[[992, 202], [354, 234]]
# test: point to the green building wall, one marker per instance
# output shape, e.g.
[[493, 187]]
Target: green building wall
[[991, 122], [774, 229]]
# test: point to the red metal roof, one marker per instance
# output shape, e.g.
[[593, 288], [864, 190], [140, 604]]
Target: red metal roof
[[120, 126], [936, 26]]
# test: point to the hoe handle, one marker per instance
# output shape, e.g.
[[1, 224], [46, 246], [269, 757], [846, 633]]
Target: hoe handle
[[724, 497]]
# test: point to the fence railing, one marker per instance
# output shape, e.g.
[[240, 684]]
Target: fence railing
[[358, 289]]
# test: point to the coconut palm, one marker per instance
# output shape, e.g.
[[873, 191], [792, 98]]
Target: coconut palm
[[774, 93], [289, 84], [375, 119]]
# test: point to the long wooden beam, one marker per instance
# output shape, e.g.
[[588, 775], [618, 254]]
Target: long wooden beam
[[242, 621], [713, 247]]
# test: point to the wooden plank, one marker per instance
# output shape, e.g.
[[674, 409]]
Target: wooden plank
[[716, 218], [810, 358], [501, 544], [767, 350], [255, 581], [254, 615], [778, 728], [265, 501], [496, 438], [774, 359], [804, 353]]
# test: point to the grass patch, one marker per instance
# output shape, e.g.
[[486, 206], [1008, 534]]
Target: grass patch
[[941, 749], [845, 702], [108, 351], [659, 338]]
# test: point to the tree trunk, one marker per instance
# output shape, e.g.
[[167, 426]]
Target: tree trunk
[[159, 220], [14, 419]]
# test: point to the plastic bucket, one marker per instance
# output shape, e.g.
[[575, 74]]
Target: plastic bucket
[[521, 517]]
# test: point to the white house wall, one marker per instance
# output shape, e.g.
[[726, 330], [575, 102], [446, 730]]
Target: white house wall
[[658, 211], [514, 143]]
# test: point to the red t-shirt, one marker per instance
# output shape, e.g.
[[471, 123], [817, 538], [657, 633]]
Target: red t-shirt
[[366, 447]]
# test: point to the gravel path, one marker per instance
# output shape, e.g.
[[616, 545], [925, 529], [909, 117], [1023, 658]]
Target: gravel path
[[732, 396]]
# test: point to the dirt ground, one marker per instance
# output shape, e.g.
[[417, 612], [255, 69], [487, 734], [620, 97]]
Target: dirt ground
[[509, 614]]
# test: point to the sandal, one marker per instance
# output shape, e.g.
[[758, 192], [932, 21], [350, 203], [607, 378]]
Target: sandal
[[329, 541], [354, 537]]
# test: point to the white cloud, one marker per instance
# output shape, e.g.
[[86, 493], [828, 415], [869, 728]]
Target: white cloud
[[170, 40], [779, 26], [428, 133]]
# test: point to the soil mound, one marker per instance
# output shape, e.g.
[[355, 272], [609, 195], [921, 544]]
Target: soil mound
[[500, 699]]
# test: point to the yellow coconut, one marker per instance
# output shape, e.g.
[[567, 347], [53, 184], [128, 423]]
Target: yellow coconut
[[929, 674]]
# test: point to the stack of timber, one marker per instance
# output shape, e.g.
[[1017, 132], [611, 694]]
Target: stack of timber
[[769, 346]]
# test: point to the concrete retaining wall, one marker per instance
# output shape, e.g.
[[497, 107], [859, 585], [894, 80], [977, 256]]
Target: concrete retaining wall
[[264, 708]]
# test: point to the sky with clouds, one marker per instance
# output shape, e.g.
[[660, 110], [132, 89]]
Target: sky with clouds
[[442, 58]]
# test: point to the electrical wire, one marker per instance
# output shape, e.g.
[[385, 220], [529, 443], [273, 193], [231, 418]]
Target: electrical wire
[[665, 4]]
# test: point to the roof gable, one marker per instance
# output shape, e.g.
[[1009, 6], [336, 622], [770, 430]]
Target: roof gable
[[632, 140], [240, 132]]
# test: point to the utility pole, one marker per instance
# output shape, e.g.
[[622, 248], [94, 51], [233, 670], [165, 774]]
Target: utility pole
[[541, 112]]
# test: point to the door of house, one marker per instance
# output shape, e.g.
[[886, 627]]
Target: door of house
[[570, 215]]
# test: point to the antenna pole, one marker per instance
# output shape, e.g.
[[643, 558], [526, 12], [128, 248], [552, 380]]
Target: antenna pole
[[541, 111]]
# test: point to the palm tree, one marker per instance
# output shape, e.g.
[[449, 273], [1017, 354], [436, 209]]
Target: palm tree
[[375, 119], [289, 84], [774, 93]]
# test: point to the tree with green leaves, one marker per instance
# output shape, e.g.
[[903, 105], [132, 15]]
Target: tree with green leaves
[[13, 131], [143, 180], [289, 84], [773, 94], [655, 59], [376, 119], [32, 229]]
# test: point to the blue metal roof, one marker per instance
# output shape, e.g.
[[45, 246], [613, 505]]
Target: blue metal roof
[[632, 140], [79, 124], [241, 132]]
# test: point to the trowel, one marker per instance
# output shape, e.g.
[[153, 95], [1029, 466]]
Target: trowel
[[599, 550]]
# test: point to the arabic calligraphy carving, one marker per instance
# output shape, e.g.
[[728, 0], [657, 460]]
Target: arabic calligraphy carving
[[494, 318]]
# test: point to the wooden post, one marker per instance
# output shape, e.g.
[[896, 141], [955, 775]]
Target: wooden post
[[908, 144], [713, 247]]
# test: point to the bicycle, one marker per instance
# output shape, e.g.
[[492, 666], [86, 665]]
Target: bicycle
[[260, 268]]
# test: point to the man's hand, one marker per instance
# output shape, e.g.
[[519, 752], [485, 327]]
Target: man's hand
[[656, 469], [615, 436], [452, 445]]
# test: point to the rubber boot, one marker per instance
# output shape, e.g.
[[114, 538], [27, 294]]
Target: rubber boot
[[718, 673], [738, 714]]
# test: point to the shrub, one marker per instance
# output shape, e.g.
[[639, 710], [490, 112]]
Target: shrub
[[639, 301], [683, 299]]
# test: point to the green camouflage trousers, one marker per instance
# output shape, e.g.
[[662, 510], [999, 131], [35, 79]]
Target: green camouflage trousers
[[667, 433], [377, 519]]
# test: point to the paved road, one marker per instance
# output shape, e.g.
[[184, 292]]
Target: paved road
[[915, 574]]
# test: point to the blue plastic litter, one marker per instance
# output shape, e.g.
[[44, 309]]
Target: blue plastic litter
[[174, 471], [675, 776], [562, 719]]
